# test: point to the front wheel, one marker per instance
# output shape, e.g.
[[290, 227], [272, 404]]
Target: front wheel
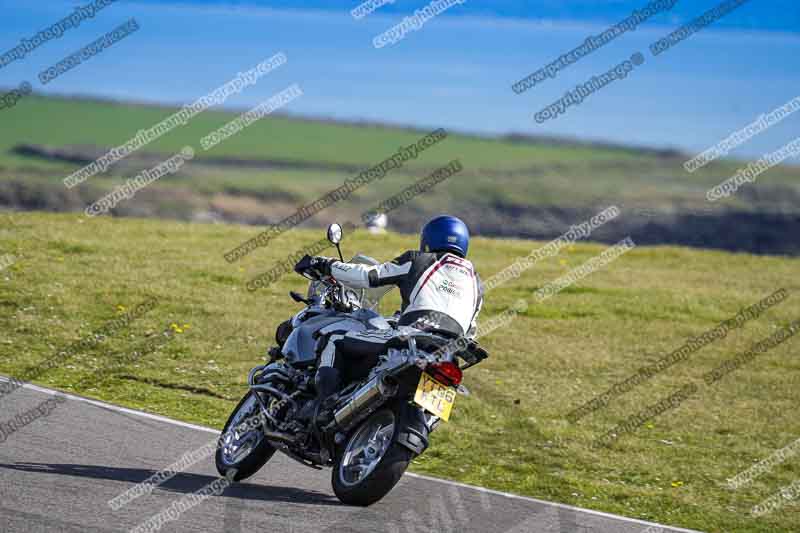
[[372, 462], [242, 448]]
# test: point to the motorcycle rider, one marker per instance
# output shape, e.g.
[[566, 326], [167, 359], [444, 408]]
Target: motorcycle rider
[[441, 294]]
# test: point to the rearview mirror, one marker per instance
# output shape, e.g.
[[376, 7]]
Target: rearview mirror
[[335, 234]]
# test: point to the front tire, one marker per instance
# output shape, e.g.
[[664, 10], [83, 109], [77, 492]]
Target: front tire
[[242, 447], [372, 462]]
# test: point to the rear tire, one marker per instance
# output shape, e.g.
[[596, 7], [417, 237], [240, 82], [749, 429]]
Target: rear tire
[[383, 476], [259, 453]]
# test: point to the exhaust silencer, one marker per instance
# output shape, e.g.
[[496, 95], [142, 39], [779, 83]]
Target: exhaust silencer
[[364, 400]]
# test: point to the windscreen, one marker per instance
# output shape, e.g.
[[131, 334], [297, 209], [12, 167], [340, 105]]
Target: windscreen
[[369, 298]]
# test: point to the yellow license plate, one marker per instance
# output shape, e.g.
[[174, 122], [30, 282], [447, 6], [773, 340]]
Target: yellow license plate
[[435, 397]]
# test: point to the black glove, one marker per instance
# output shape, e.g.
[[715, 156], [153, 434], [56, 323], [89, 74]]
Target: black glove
[[319, 265]]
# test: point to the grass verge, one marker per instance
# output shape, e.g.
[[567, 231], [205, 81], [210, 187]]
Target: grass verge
[[71, 275]]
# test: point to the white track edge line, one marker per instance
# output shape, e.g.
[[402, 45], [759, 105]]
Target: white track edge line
[[112, 407], [551, 504], [172, 421]]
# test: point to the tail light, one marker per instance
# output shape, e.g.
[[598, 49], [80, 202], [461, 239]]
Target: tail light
[[446, 372]]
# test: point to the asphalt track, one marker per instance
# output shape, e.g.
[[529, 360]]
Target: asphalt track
[[59, 472]]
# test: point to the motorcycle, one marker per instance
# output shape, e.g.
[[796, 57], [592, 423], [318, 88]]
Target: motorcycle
[[378, 421]]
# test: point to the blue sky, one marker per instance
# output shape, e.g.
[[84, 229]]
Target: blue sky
[[773, 15], [455, 72]]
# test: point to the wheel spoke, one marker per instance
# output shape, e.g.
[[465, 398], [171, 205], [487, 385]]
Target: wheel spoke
[[357, 471], [358, 452]]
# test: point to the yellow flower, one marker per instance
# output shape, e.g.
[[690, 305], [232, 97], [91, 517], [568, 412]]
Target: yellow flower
[[649, 425], [677, 483], [121, 308]]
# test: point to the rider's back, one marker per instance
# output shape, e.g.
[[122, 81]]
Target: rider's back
[[440, 292]]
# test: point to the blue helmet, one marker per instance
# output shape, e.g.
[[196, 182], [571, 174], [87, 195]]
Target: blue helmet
[[445, 233]]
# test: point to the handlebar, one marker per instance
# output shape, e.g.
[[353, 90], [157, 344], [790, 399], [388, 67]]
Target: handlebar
[[333, 294]]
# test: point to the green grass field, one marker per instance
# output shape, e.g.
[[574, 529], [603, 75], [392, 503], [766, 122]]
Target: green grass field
[[73, 274]]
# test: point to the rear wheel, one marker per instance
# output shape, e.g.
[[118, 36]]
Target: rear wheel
[[372, 461], [242, 447]]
